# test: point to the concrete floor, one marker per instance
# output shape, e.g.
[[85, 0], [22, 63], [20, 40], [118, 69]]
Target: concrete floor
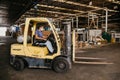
[[78, 72]]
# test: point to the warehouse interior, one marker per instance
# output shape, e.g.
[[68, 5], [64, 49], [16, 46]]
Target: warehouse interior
[[95, 25]]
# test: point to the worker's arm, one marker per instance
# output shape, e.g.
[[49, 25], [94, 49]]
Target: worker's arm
[[41, 38], [45, 37]]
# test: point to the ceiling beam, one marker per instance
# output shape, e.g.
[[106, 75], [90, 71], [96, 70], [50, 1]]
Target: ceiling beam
[[28, 15], [60, 13], [114, 1], [60, 8], [66, 9], [105, 16], [84, 5], [38, 15], [54, 12]]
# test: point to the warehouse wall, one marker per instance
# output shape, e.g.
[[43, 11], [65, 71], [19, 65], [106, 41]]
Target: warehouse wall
[[4, 22], [3, 31]]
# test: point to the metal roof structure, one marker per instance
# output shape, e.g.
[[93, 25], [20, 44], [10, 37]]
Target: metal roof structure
[[20, 9], [71, 8]]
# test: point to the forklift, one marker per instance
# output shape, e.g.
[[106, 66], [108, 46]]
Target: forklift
[[31, 54]]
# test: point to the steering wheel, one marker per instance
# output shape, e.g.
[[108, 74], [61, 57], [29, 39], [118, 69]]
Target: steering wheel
[[50, 37]]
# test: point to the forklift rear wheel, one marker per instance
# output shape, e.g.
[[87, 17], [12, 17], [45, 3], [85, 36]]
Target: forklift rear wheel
[[60, 65], [18, 64]]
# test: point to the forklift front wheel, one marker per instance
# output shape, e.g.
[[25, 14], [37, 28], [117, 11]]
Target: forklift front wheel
[[60, 65], [18, 64]]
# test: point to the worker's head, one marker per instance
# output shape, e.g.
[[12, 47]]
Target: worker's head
[[41, 28]]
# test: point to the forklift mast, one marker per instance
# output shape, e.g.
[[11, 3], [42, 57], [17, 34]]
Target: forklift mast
[[68, 41]]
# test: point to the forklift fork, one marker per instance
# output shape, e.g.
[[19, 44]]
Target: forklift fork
[[86, 60]]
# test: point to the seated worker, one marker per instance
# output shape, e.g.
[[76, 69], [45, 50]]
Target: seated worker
[[39, 36]]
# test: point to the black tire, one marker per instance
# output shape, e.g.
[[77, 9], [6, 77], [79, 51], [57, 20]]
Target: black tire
[[60, 65], [18, 64]]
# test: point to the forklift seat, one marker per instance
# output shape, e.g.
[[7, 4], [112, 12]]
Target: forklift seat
[[37, 42]]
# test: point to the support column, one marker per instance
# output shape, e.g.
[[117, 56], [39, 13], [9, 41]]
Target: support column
[[88, 20], [106, 20], [72, 22], [77, 22], [97, 23]]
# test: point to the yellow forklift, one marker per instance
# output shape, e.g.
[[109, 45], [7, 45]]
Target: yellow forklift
[[30, 54]]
